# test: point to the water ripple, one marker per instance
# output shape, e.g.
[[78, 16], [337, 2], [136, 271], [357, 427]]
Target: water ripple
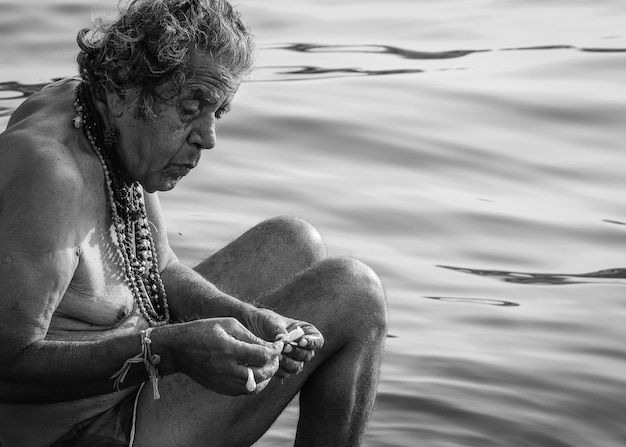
[[485, 301], [614, 275], [424, 55], [308, 72], [13, 93], [616, 222], [379, 49], [311, 72], [20, 90]]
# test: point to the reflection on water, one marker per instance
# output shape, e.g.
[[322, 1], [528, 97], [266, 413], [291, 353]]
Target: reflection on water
[[378, 49], [602, 276], [423, 55], [326, 73], [487, 301], [22, 90], [613, 222], [12, 93]]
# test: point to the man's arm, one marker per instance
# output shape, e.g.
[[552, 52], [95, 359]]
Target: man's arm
[[40, 229], [190, 296]]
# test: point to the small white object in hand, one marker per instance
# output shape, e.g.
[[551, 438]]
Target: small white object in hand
[[292, 336], [251, 383]]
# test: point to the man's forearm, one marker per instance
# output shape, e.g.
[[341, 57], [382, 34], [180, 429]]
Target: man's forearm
[[191, 296], [52, 371]]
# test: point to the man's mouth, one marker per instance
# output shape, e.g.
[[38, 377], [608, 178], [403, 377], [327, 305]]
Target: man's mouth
[[178, 170]]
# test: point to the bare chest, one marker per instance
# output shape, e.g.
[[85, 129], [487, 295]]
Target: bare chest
[[98, 296]]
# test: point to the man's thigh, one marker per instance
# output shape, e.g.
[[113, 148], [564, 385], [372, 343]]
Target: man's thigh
[[261, 265], [189, 415], [264, 258]]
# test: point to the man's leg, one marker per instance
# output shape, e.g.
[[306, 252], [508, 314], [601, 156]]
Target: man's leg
[[264, 257], [342, 297]]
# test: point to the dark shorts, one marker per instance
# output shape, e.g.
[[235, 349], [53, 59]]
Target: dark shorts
[[113, 428]]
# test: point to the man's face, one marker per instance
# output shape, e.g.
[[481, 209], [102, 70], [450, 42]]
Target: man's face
[[159, 152]]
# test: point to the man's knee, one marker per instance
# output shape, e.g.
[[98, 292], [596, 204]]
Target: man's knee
[[295, 235], [359, 292]]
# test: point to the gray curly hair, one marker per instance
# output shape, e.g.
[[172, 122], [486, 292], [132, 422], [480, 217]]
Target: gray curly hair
[[150, 45]]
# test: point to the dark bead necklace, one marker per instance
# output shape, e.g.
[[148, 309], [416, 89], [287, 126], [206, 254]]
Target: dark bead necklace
[[128, 214]]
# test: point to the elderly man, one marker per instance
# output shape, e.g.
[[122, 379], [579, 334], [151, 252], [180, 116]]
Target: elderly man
[[94, 302]]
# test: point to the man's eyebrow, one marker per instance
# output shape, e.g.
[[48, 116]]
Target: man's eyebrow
[[208, 94]]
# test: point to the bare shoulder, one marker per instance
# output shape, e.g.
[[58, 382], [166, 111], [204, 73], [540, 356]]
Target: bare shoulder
[[39, 192], [46, 106], [41, 173]]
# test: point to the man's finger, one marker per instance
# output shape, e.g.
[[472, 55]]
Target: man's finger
[[311, 342], [252, 350], [300, 355], [291, 366], [241, 333]]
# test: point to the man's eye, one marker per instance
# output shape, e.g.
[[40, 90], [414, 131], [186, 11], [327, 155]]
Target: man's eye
[[191, 106], [220, 113]]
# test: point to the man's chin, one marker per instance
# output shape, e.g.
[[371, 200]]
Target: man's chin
[[164, 185], [170, 184]]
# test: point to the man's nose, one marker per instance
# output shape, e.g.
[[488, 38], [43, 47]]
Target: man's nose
[[203, 135]]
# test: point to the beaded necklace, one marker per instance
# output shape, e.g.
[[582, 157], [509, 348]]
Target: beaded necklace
[[130, 223]]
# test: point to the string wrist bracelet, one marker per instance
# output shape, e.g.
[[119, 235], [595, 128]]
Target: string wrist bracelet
[[146, 357]]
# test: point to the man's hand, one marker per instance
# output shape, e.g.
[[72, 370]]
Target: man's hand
[[271, 326], [218, 352]]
